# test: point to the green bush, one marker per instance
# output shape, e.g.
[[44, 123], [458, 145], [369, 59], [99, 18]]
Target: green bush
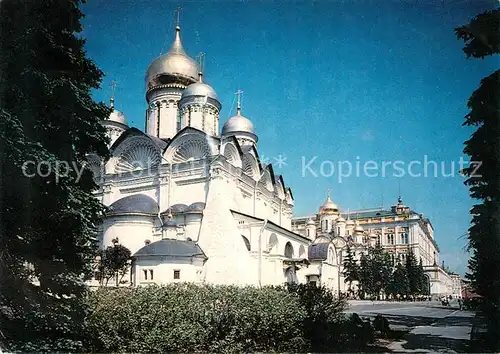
[[324, 320], [222, 319], [191, 318]]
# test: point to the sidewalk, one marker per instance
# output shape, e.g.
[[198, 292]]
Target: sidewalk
[[450, 334]]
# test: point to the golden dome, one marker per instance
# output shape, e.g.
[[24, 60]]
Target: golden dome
[[329, 207], [174, 67]]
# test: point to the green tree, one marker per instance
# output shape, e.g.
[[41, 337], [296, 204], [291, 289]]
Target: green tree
[[482, 38], [114, 263], [351, 268], [365, 277], [49, 217], [382, 266], [399, 284], [423, 286], [411, 266]]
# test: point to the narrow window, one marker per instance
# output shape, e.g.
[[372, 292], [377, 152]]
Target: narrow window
[[151, 274], [308, 233], [145, 274], [179, 119], [158, 120], [177, 274]]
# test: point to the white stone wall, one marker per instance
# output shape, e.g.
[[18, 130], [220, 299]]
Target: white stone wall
[[229, 261], [163, 271], [131, 231]]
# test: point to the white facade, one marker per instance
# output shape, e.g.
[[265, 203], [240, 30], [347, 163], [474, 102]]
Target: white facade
[[192, 204]]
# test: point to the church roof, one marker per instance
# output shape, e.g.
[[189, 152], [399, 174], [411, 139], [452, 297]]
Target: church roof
[[137, 203], [198, 206], [171, 248]]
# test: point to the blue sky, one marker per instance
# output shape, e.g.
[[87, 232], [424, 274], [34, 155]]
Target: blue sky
[[352, 81]]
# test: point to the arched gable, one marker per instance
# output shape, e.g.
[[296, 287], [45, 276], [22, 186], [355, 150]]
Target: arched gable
[[132, 153], [95, 165], [190, 144], [289, 197], [231, 153], [250, 166], [266, 180], [279, 187]]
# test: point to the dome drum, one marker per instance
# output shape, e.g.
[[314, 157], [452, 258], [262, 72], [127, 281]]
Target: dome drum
[[203, 100], [167, 80]]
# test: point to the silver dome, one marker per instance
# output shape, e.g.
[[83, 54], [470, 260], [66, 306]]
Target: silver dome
[[238, 124], [175, 63], [199, 89], [118, 117]]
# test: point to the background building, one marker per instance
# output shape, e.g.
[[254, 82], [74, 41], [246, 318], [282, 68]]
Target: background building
[[397, 230]]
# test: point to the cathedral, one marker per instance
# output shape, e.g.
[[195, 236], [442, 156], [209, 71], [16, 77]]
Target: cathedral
[[194, 203]]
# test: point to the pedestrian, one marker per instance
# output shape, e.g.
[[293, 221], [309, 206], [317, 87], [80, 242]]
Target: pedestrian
[[460, 303]]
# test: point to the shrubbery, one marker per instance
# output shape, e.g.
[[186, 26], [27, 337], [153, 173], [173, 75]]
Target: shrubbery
[[194, 318]]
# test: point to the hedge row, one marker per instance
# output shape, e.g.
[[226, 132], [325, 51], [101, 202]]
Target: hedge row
[[194, 318]]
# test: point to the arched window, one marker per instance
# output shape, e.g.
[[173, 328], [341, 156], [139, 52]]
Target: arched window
[[302, 251], [247, 243], [273, 242], [308, 233], [288, 250]]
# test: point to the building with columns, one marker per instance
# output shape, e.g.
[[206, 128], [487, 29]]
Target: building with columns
[[397, 230], [191, 201]]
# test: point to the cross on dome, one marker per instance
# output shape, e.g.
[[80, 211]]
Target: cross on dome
[[238, 107], [200, 58], [112, 99], [178, 14]]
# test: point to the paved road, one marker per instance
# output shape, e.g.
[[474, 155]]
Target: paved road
[[431, 328]]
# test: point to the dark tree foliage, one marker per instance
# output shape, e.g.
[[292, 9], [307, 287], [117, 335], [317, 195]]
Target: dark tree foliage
[[423, 281], [114, 263], [47, 224], [399, 284], [481, 35], [375, 271], [351, 268], [413, 273], [366, 280], [482, 38]]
